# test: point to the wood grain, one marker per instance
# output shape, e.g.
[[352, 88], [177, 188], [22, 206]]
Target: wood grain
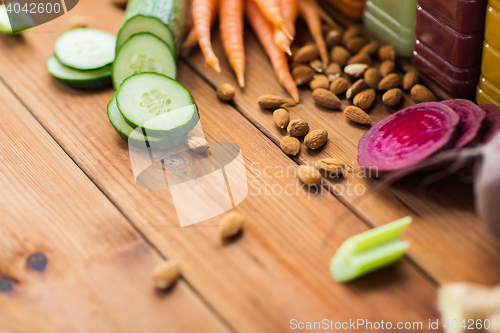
[[448, 240], [278, 269], [98, 274]]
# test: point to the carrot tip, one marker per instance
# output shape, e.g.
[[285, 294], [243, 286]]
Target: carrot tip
[[288, 51], [285, 30], [241, 81]]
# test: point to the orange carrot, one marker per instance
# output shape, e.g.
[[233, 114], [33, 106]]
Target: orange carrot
[[192, 37], [264, 32], [290, 11], [272, 13], [282, 41], [202, 10], [231, 30], [309, 12]]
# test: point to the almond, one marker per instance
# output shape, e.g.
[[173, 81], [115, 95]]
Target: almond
[[355, 44], [386, 67], [165, 274], [332, 166], [372, 77], [339, 86], [230, 225], [387, 52], [319, 81], [333, 37], [298, 127], [371, 48], [390, 81], [290, 145], [392, 97], [309, 175], [302, 74], [360, 58], [271, 101], [340, 55], [351, 32], [333, 68], [357, 115], [197, 144], [226, 92], [356, 70], [410, 79], [306, 53], [326, 99], [420, 94], [316, 139], [356, 88], [281, 118], [365, 99], [317, 65]]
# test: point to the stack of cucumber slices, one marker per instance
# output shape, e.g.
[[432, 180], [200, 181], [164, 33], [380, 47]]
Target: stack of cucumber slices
[[149, 110], [83, 58]]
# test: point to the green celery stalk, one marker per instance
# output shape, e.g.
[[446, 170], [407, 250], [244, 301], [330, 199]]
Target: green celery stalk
[[370, 251]]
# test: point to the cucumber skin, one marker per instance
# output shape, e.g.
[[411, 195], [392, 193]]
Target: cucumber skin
[[98, 82], [173, 13], [117, 86], [192, 123]]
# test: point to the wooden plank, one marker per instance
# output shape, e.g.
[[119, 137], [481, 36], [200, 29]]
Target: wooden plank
[[98, 273], [448, 239], [278, 270]]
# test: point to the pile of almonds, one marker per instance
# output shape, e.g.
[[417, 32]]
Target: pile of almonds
[[352, 72]]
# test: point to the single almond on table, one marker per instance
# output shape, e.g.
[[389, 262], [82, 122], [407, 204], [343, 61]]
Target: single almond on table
[[390, 81], [298, 127], [315, 139], [339, 85], [392, 97], [361, 58], [365, 99], [356, 70], [197, 144], [356, 88], [226, 92], [372, 77], [306, 53], [281, 118], [271, 101], [333, 37], [386, 67], [326, 98], [165, 274], [302, 74], [371, 48], [350, 32], [355, 44], [319, 81], [309, 175], [290, 145], [357, 115], [387, 52], [420, 94], [332, 166], [410, 79], [340, 55], [317, 65], [230, 224]]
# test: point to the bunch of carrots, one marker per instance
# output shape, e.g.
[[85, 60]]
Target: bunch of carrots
[[273, 21]]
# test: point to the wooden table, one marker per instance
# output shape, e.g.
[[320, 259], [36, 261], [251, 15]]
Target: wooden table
[[67, 191]]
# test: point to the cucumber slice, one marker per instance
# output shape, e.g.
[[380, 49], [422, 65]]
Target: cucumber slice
[[143, 52], [158, 104], [134, 137], [96, 78], [85, 49], [164, 18]]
